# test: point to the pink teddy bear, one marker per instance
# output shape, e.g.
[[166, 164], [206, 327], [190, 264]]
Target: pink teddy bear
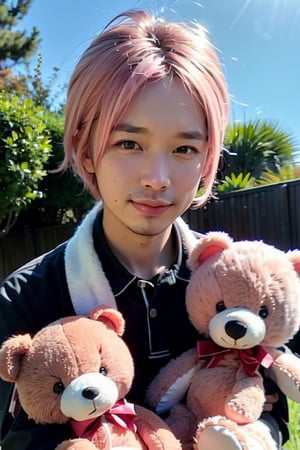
[[244, 297]]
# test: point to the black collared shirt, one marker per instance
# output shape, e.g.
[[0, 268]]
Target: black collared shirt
[[157, 326]]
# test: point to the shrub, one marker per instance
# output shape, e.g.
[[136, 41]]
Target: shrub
[[24, 149]]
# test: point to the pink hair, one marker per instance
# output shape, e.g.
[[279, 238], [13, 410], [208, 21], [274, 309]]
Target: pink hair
[[134, 49]]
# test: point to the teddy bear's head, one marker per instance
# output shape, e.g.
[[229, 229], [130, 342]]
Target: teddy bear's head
[[77, 367], [243, 293]]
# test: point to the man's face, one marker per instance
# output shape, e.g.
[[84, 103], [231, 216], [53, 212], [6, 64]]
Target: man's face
[[153, 161]]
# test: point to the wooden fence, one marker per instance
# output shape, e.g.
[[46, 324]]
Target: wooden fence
[[18, 247], [271, 213]]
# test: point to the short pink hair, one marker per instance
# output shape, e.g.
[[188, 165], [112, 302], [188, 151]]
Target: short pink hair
[[134, 49]]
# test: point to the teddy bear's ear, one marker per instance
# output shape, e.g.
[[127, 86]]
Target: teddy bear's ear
[[11, 354], [207, 246], [108, 314], [294, 257]]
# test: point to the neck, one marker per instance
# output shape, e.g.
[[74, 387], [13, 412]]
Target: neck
[[142, 255]]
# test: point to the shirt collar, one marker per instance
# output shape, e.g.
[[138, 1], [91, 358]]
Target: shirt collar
[[119, 277]]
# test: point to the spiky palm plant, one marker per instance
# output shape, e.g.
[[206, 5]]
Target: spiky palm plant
[[255, 147]]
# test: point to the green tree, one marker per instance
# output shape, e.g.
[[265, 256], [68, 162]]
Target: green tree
[[15, 45], [256, 147], [24, 149], [16, 49]]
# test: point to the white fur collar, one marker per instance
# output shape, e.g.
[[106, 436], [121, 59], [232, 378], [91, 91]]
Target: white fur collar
[[86, 281]]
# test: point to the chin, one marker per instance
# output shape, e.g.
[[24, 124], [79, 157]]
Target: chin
[[150, 230]]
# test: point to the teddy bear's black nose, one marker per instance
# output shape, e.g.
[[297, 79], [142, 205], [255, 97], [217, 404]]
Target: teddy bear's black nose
[[90, 392], [235, 329]]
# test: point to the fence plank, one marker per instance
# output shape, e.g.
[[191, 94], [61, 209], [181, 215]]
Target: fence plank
[[294, 212]]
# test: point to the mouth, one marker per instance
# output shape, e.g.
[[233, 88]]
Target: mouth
[[94, 410], [151, 207]]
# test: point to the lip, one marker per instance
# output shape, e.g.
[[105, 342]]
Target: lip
[[151, 207]]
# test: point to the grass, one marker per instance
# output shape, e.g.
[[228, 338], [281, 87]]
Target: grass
[[294, 426]]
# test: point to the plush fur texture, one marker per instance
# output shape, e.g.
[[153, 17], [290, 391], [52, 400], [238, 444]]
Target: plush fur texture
[[80, 368], [245, 296]]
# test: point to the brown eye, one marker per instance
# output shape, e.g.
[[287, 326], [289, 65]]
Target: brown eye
[[129, 145]]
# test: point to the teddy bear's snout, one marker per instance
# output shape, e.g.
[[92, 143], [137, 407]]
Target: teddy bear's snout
[[88, 396], [236, 329]]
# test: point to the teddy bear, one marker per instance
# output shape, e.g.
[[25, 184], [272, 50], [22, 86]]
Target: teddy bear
[[244, 299], [79, 370]]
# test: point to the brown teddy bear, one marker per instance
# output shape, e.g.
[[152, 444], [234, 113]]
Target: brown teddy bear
[[244, 297], [79, 369]]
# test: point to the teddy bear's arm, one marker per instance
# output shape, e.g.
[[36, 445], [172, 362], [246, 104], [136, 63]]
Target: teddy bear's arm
[[246, 399], [154, 431], [171, 384], [285, 371]]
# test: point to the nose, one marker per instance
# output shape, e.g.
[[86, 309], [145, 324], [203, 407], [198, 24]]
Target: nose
[[235, 329], [90, 393], [156, 173]]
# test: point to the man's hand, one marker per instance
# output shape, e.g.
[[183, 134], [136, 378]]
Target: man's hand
[[270, 400], [271, 392]]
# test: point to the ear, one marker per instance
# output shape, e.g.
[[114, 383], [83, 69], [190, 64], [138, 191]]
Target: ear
[[294, 257], [105, 313], [207, 246], [11, 354], [88, 165]]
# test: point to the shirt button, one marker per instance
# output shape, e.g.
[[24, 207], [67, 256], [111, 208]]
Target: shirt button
[[153, 313]]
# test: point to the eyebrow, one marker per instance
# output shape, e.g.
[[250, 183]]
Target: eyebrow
[[190, 134]]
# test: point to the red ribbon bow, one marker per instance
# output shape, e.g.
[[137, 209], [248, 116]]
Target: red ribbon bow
[[121, 414], [251, 358]]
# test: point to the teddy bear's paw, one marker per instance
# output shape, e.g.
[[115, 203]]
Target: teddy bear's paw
[[76, 444], [286, 371], [245, 403], [220, 433], [218, 437], [243, 415]]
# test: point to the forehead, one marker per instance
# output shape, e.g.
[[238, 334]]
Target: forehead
[[166, 102]]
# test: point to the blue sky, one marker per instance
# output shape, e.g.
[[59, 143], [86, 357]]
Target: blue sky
[[258, 40]]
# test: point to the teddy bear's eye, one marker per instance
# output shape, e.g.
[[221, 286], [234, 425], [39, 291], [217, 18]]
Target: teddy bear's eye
[[220, 306], [58, 387], [103, 371], [263, 312]]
